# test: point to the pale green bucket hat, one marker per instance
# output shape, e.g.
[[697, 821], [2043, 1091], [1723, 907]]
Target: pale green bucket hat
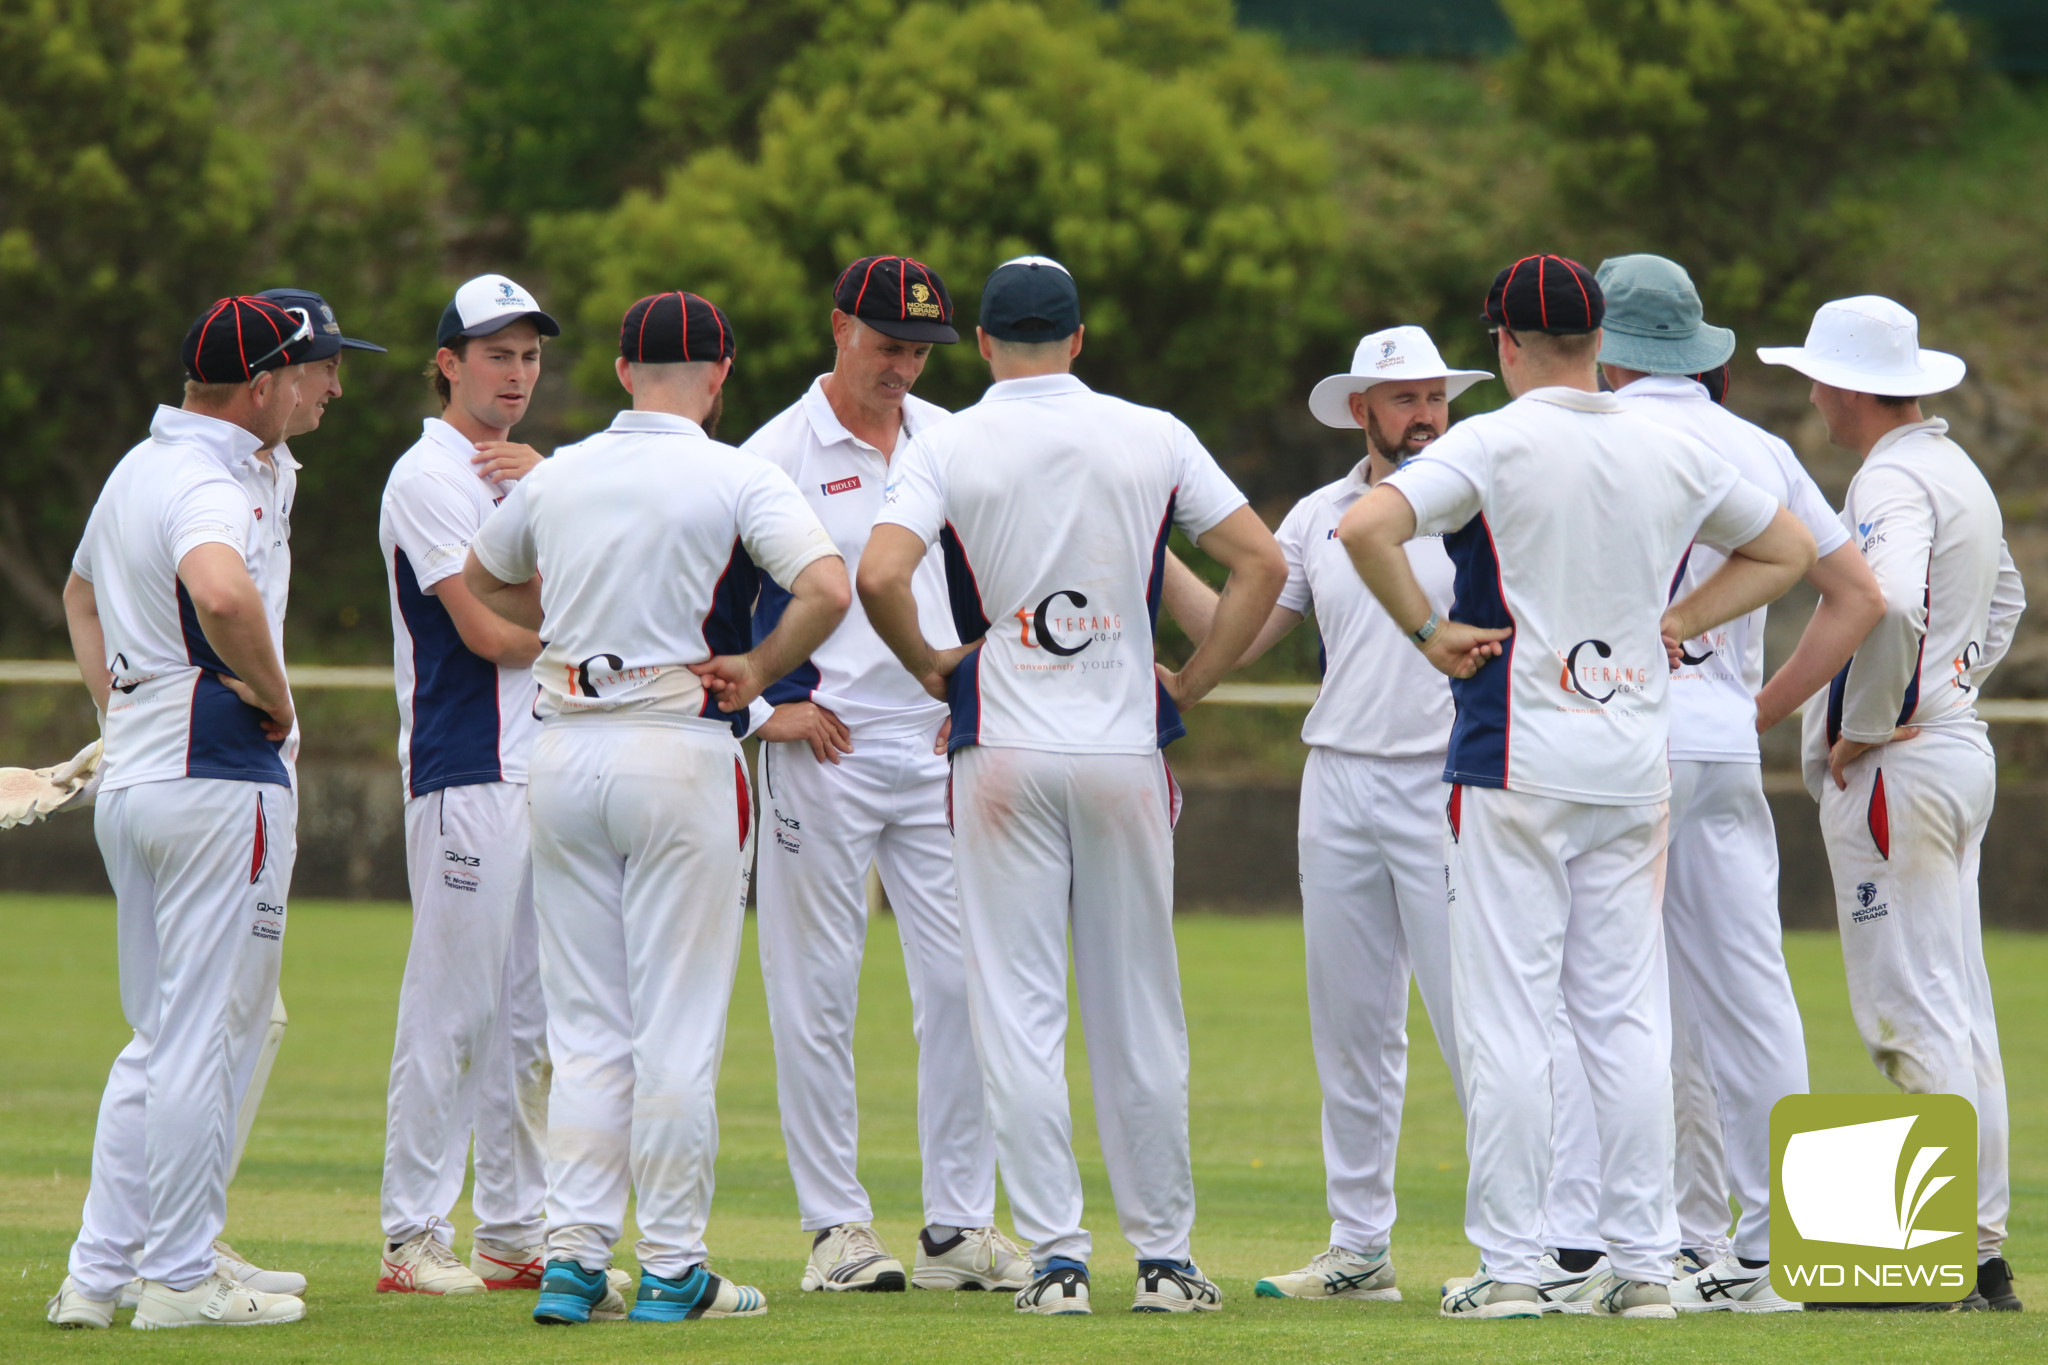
[[1654, 320]]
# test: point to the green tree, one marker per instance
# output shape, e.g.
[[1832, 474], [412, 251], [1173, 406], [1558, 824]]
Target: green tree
[[125, 205], [1157, 153], [1732, 134]]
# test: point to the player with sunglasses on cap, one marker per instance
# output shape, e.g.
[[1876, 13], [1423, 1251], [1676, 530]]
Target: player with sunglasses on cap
[[176, 607], [1566, 517], [851, 776], [637, 555], [1371, 847]]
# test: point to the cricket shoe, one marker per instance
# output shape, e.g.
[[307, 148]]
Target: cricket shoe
[[851, 1257], [1486, 1297], [500, 1265], [70, 1307], [612, 1307], [216, 1301], [1729, 1285], [571, 1296], [241, 1269], [1619, 1298], [1170, 1287], [1690, 1261], [699, 1294], [1994, 1282], [424, 1265], [972, 1258], [1569, 1291], [1336, 1274], [1059, 1289]]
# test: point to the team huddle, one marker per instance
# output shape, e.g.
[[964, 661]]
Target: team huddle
[[1533, 787]]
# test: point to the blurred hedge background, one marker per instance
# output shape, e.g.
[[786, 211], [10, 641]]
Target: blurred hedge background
[[1241, 192]]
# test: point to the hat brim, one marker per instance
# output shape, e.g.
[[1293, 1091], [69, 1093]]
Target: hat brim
[[548, 326], [1330, 399], [1939, 372], [351, 344], [1706, 349], [936, 333]]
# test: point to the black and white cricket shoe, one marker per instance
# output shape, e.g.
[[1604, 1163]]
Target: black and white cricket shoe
[[1060, 1288], [1994, 1282], [851, 1257], [1729, 1286], [1164, 1287]]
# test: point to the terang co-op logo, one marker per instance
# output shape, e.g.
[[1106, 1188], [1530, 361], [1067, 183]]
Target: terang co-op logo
[[1875, 1198]]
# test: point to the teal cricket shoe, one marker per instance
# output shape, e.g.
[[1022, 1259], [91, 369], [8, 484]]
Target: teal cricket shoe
[[568, 1294], [699, 1294]]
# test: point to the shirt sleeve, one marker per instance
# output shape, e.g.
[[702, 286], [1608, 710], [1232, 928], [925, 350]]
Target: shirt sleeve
[[1294, 594], [1740, 514], [1205, 494], [1445, 488], [1810, 505], [1896, 519], [915, 497], [432, 522], [211, 511], [779, 529], [504, 544]]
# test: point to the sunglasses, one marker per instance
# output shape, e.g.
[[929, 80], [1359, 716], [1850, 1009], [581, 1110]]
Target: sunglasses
[[304, 332]]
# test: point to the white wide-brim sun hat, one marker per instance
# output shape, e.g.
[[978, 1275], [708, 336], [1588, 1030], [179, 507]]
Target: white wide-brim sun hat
[[1869, 344], [1398, 353]]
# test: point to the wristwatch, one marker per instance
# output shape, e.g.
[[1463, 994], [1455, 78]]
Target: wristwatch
[[1425, 632]]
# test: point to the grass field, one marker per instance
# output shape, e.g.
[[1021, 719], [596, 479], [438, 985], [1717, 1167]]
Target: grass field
[[307, 1195]]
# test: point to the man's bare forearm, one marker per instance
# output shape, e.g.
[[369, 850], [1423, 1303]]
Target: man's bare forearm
[[818, 602], [241, 636], [88, 639]]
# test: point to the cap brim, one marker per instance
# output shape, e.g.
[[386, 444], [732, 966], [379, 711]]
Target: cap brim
[[351, 344], [937, 333], [1707, 349], [1939, 372], [547, 325], [1330, 399]]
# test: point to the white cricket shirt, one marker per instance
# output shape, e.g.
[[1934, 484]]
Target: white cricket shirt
[[1380, 697], [461, 718], [853, 674], [1931, 528], [1567, 516], [1713, 694], [650, 539], [1052, 504], [197, 480]]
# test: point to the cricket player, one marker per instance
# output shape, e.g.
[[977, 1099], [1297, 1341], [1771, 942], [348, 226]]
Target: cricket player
[[1894, 753], [1052, 505], [1738, 1045], [176, 606], [469, 1064], [1371, 847], [1567, 517], [851, 776], [649, 540]]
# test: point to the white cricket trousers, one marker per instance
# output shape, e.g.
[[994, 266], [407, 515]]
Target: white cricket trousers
[[641, 833], [1738, 1043], [1372, 909], [1555, 900], [201, 869], [885, 804], [1903, 844], [1045, 844], [471, 1054]]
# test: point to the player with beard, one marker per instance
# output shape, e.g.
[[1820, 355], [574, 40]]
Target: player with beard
[[1371, 841]]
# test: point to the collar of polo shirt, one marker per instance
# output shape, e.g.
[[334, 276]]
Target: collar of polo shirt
[[226, 442], [1034, 386], [636, 419]]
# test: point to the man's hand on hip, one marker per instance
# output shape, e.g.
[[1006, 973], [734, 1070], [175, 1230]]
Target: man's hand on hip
[[809, 723]]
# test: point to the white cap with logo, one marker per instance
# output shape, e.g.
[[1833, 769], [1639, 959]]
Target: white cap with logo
[[1397, 354], [488, 304], [1869, 344]]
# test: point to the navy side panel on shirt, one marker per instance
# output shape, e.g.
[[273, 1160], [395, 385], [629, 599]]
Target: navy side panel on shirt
[[970, 620], [454, 694], [963, 694], [800, 682], [1167, 722], [1484, 726], [729, 625], [226, 739]]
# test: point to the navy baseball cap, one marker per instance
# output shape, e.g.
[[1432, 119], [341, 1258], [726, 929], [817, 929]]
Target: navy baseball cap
[[898, 297], [240, 337], [674, 329], [1546, 294], [327, 337], [487, 304], [1032, 298]]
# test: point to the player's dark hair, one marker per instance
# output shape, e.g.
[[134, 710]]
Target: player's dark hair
[[1895, 400], [440, 381]]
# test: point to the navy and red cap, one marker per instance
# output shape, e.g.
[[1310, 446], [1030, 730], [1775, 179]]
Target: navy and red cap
[[898, 297], [240, 337], [674, 329], [1546, 294]]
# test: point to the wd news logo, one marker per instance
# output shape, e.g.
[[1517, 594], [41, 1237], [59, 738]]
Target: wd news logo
[[1876, 1198]]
